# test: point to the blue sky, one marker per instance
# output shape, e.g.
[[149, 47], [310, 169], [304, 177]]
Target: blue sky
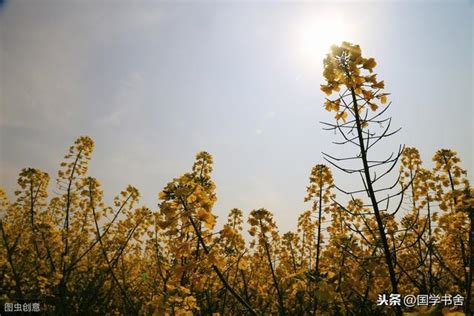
[[155, 82]]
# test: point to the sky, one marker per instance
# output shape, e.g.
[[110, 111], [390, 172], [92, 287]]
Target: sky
[[153, 83]]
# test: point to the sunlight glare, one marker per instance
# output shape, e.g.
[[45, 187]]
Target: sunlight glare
[[314, 35]]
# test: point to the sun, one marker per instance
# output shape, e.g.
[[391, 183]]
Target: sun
[[314, 34]]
